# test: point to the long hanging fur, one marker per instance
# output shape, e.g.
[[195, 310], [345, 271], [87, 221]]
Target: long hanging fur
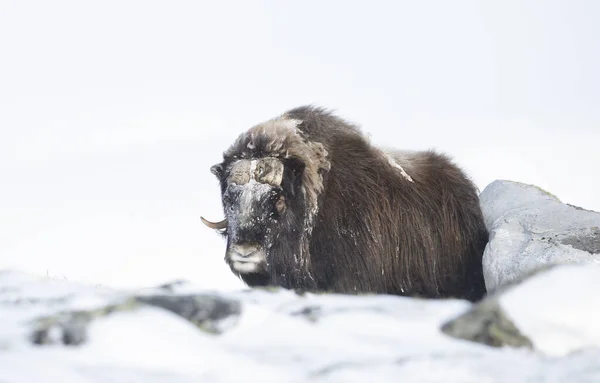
[[360, 219]]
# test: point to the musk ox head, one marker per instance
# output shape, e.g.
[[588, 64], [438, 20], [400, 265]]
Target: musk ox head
[[270, 181]]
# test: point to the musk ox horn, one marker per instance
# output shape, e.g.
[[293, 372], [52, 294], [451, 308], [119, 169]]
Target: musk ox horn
[[215, 225]]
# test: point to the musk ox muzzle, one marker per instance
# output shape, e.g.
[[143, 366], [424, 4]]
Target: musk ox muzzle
[[246, 257]]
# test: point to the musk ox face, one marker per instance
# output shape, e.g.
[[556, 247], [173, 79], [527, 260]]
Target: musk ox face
[[256, 196], [270, 178]]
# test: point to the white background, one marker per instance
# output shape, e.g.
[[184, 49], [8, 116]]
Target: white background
[[112, 112]]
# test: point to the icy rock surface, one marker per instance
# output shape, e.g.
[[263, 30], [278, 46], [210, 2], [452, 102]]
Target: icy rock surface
[[178, 333], [530, 228]]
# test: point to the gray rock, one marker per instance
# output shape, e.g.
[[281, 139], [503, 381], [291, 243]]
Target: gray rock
[[530, 228], [204, 310], [70, 327], [207, 312], [487, 323]]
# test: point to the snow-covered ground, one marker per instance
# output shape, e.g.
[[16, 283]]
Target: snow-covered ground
[[283, 337]]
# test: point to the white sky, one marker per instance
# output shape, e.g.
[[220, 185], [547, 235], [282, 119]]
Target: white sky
[[111, 113]]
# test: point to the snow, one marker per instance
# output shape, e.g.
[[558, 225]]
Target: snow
[[558, 310], [285, 337], [397, 166]]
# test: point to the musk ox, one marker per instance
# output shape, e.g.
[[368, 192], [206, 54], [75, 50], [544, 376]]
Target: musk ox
[[311, 205]]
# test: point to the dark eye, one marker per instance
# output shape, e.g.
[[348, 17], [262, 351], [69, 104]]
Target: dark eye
[[226, 199], [280, 205]]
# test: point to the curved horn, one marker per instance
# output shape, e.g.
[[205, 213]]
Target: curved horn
[[215, 225]]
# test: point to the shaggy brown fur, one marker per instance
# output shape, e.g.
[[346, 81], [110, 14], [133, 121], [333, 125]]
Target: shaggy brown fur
[[356, 220]]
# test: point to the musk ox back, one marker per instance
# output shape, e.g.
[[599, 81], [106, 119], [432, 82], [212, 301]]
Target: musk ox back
[[310, 204]]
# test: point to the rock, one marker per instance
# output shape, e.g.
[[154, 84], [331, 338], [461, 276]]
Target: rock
[[530, 228], [60, 312], [207, 311], [487, 323], [555, 311], [70, 327]]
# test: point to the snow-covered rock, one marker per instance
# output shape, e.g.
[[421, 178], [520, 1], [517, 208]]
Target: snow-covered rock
[[530, 228], [555, 311], [179, 333]]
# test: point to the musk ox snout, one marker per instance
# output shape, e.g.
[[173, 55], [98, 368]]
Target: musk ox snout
[[246, 257]]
